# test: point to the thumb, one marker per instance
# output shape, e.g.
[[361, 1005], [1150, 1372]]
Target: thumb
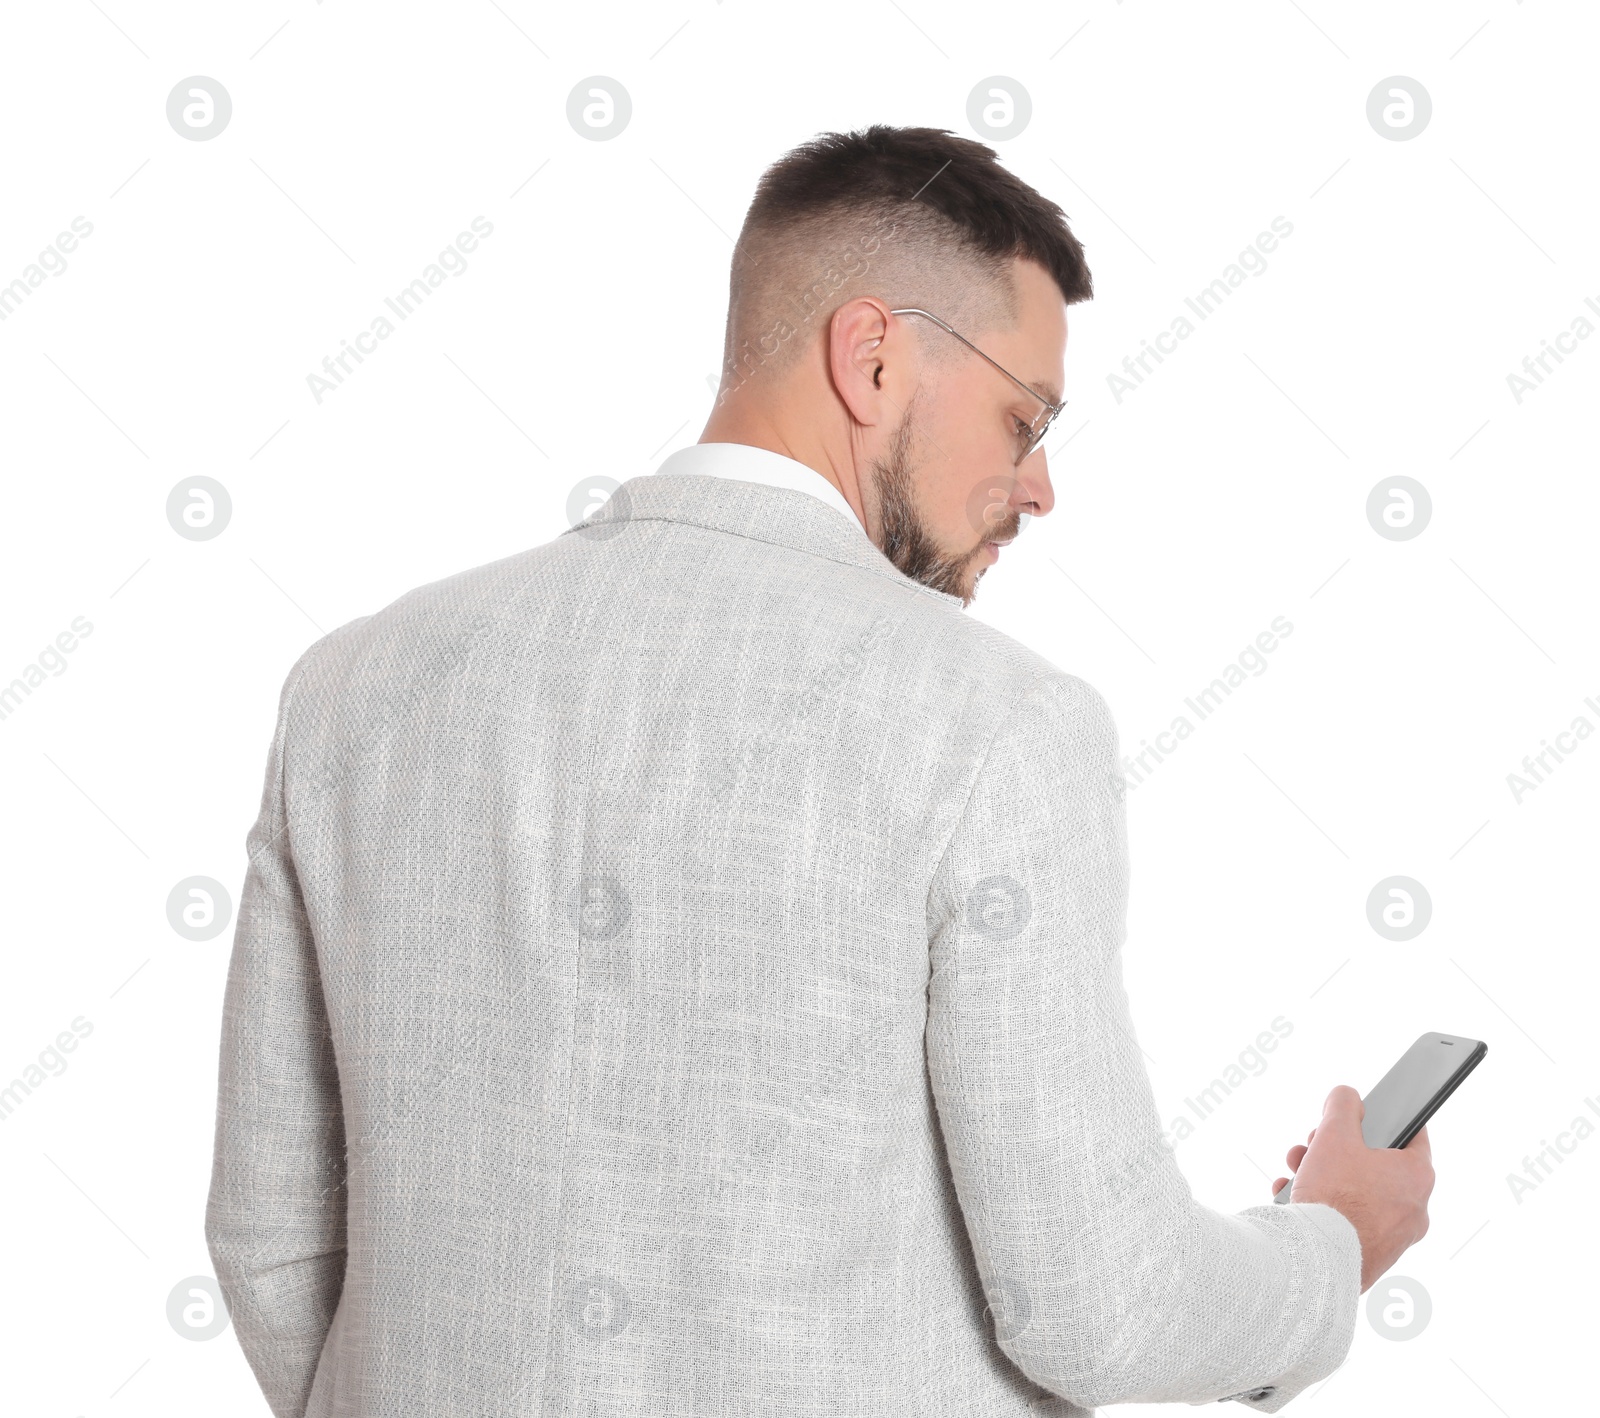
[[1342, 1114]]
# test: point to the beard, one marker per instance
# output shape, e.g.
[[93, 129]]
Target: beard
[[907, 542]]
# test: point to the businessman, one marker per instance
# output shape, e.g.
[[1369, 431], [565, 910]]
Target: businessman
[[679, 965]]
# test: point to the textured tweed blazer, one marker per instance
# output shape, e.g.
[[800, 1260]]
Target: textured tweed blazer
[[679, 973]]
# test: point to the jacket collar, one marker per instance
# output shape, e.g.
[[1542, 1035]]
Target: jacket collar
[[763, 513]]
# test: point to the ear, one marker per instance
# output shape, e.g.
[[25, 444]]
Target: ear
[[858, 356]]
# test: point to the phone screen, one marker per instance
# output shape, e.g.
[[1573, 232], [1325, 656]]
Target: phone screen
[[1400, 1103]]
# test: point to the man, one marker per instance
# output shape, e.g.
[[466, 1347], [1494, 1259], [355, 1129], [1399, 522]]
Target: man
[[679, 966]]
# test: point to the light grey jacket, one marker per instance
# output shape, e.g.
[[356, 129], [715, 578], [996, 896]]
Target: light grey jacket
[[679, 973]]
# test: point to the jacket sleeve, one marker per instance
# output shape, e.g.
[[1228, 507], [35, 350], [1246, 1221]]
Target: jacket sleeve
[[1105, 1280], [275, 1216]]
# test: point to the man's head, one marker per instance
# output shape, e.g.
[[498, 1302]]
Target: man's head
[[919, 432]]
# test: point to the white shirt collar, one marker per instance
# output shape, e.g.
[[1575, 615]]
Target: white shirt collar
[[749, 464]]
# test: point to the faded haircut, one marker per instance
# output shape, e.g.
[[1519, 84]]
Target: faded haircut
[[914, 216]]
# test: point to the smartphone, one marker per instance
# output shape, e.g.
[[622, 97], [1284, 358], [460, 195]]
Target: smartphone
[[1402, 1101]]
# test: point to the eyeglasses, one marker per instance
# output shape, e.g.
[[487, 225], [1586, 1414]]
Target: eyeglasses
[[1041, 424]]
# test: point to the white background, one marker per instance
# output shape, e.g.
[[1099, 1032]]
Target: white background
[[1230, 488]]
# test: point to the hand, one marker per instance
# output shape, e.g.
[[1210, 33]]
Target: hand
[[1382, 1191]]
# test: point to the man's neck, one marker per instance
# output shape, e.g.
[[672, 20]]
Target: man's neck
[[724, 428]]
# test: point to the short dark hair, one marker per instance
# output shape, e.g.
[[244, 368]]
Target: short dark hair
[[955, 221]]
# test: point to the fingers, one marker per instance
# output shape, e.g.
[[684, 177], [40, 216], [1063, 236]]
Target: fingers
[[1420, 1144], [1279, 1185], [1294, 1157]]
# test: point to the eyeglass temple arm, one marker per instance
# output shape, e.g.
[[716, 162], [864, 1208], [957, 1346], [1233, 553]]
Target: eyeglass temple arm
[[912, 310]]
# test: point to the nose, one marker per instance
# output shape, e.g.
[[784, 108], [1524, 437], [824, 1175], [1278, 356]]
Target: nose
[[1034, 495]]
